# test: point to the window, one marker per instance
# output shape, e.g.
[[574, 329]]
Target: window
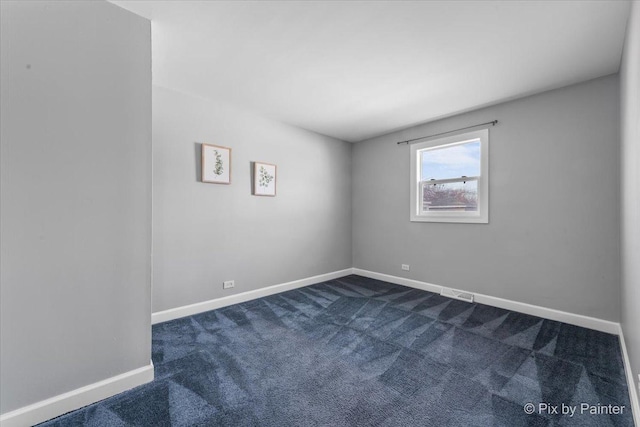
[[450, 179]]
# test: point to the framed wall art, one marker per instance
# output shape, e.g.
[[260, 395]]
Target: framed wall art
[[216, 164], [264, 179]]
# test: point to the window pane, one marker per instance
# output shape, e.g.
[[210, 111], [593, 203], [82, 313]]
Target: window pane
[[451, 197], [451, 162]]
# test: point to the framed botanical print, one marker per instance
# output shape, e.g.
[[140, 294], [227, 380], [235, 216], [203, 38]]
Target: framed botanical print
[[264, 179], [216, 164]]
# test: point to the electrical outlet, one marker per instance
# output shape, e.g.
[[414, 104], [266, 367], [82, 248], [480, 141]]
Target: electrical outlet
[[228, 284], [405, 267]]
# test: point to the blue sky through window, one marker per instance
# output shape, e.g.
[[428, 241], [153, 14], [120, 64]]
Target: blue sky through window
[[451, 162]]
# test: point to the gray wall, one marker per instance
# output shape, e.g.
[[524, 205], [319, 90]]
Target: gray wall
[[553, 236], [204, 234], [630, 115], [75, 197]]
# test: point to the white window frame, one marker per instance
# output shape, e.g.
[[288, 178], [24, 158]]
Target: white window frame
[[482, 214]]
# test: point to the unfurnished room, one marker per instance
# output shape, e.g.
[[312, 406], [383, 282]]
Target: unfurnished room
[[320, 213]]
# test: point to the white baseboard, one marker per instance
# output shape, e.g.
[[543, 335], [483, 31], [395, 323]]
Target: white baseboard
[[200, 307], [78, 398], [631, 380], [521, 307]]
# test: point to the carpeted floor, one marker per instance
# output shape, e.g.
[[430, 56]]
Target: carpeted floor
[[360, 352]]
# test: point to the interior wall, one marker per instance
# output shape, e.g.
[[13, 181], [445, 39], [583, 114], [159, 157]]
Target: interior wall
[[204, 234], [75, 197], [630, 180], [553, 235]]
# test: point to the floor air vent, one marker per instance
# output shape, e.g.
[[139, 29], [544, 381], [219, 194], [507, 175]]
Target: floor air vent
[[452, 293]]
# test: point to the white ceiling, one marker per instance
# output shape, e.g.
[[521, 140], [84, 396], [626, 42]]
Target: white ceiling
[[354, 70]]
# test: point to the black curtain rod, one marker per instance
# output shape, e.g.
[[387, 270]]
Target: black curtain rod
[[409, 141]]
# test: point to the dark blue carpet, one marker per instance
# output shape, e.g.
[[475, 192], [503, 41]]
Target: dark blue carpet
[[361, 352]]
